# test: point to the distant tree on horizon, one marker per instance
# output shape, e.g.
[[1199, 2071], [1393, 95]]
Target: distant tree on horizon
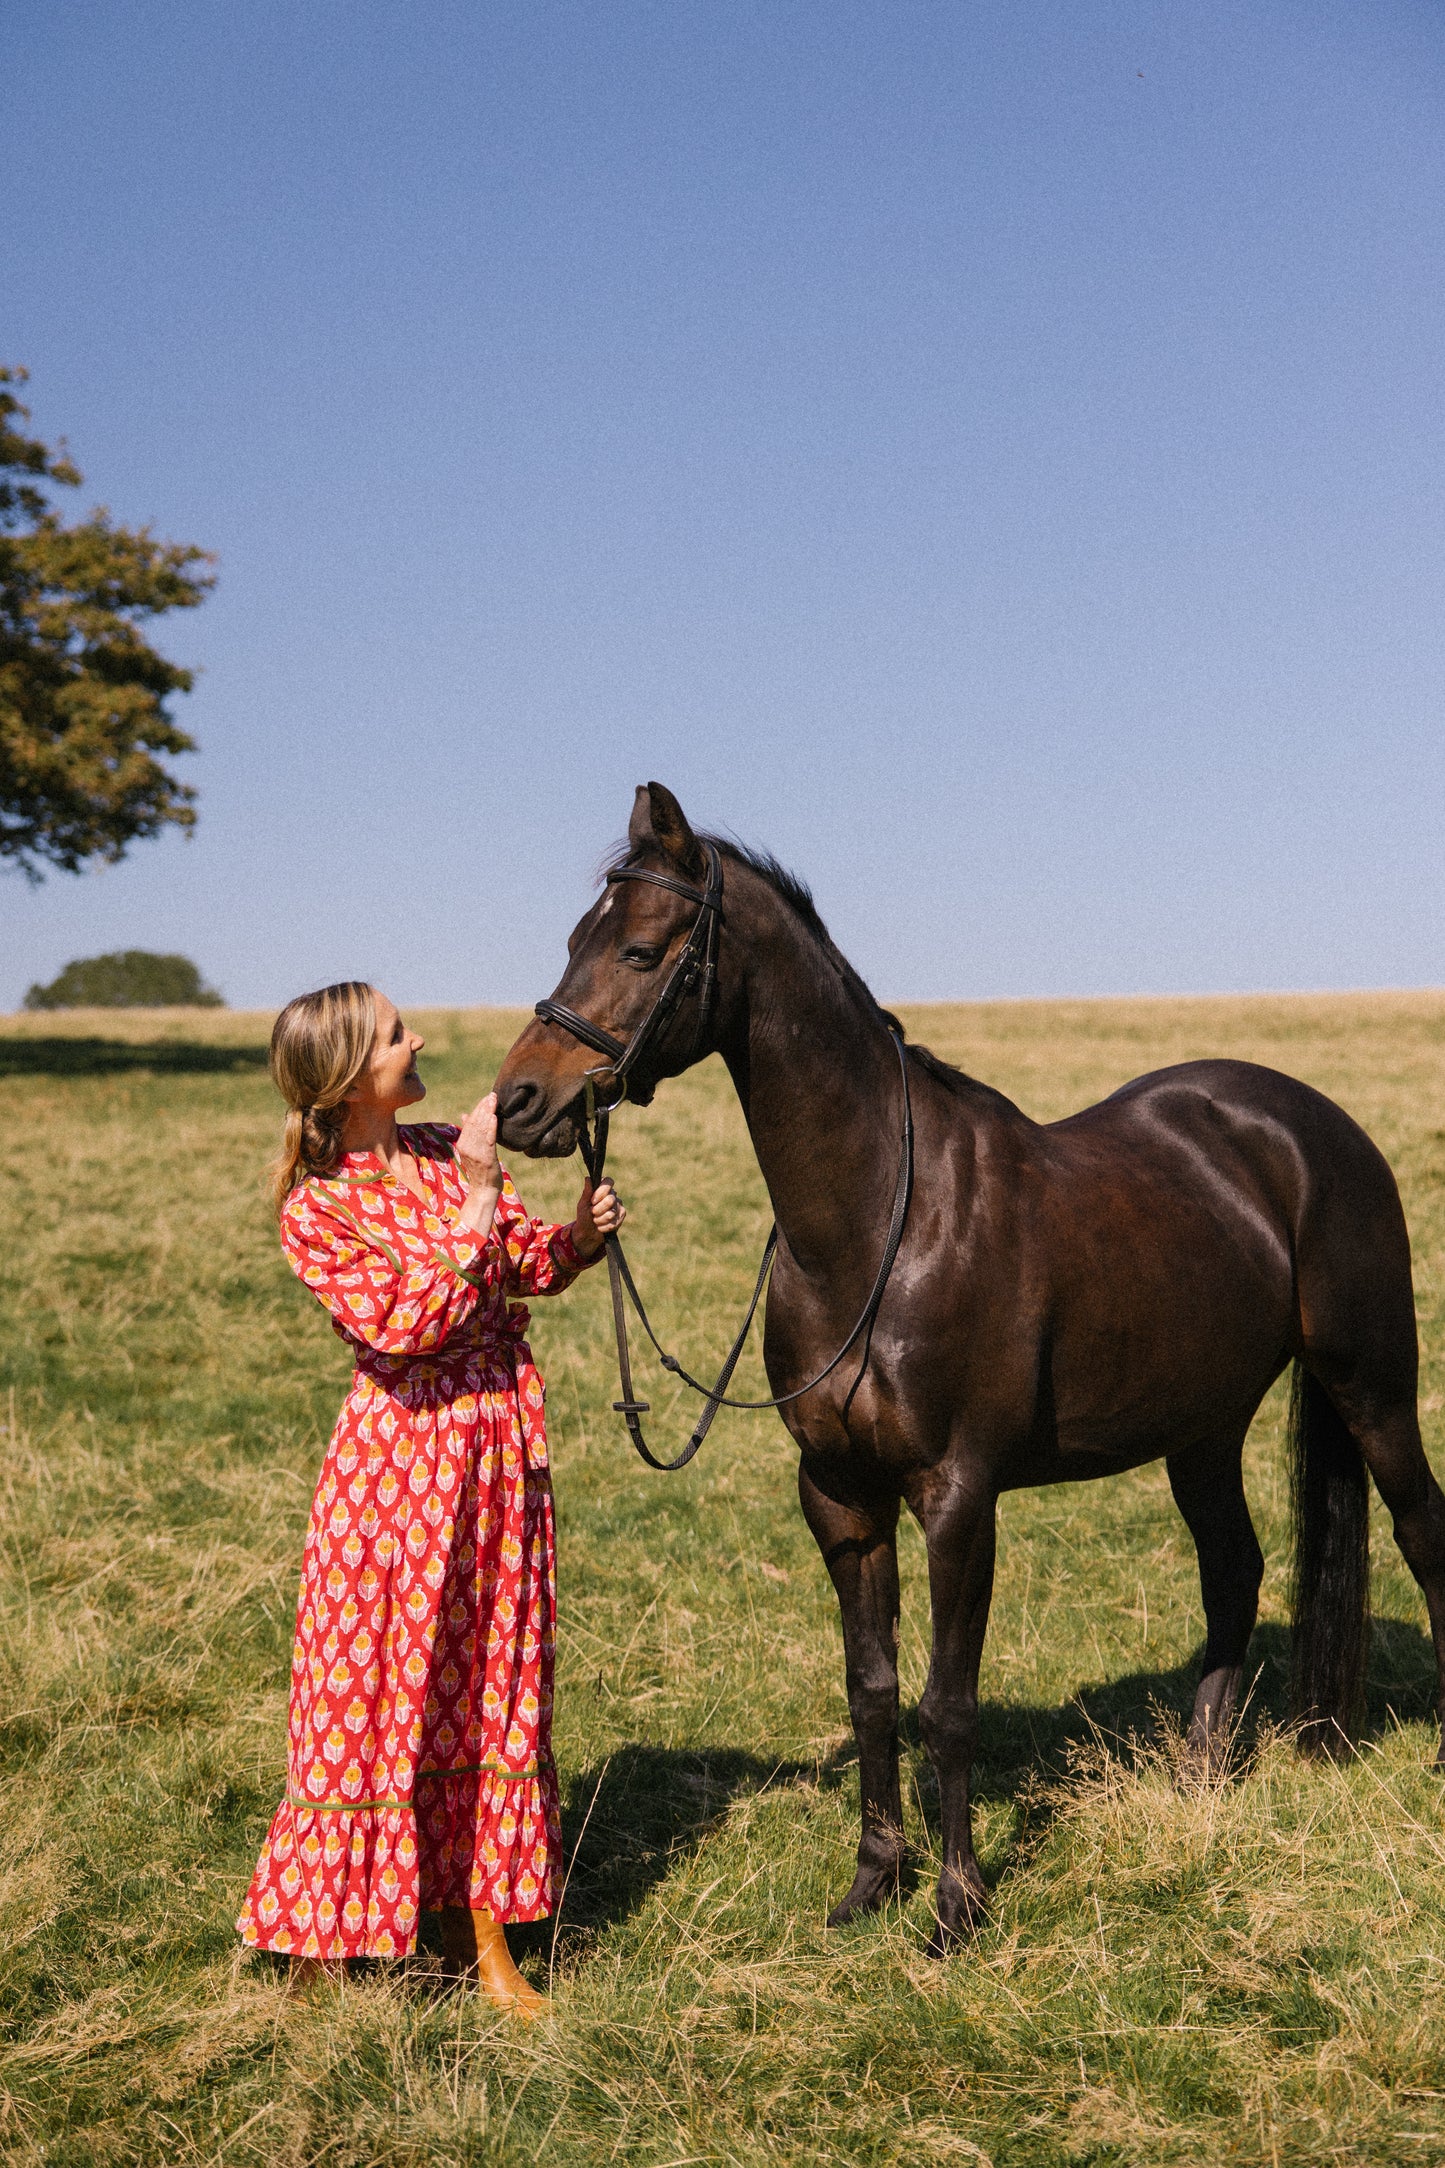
[[82, 696], [126, 979]]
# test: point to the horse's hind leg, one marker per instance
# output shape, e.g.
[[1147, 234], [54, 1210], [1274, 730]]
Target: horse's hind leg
[[1208, 1487], [859, 1547], [1359, 1346], [1389, 1439]]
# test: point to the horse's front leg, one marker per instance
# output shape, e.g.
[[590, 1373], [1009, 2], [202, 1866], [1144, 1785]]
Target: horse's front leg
[[959, 1527], [858, 1543]]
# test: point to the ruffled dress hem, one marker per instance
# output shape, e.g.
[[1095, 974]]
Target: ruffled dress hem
[[351, 1881]]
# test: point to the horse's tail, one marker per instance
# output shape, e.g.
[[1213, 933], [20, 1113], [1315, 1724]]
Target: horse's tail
[[1330, 1498]]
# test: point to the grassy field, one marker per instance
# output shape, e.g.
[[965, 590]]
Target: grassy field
[[1241, 1972]]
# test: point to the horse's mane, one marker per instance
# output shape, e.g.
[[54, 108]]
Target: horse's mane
[[796, 894]]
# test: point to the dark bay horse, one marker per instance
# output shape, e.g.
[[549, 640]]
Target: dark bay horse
[[1070, 1299]]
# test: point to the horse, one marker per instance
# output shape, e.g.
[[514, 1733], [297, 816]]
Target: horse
[[1069, 1299]]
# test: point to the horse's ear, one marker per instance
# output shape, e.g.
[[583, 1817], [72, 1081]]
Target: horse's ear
[[658, 818]]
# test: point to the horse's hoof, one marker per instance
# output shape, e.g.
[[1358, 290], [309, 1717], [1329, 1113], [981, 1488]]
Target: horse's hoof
[[1205, 1756], [950, 1936], [872, 1887], [962, 1911]]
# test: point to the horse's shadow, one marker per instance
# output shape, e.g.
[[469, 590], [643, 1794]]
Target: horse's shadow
[[1017, 1741], [628, 1820]]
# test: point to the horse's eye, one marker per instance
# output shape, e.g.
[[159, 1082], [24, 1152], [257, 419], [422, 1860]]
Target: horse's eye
[[642, 957]]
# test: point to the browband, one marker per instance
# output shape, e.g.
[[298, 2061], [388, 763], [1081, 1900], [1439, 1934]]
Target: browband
[[711, 900]]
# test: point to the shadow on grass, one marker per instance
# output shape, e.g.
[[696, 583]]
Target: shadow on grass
[[1399, 1687], [626, 1822], [118, 1057], [1019, 1744]]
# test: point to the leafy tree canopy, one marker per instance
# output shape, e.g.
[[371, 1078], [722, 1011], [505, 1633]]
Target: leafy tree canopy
[[82, 696], [129, 979]]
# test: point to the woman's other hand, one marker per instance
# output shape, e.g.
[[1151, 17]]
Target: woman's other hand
[[476, 1150], [600, 1212]]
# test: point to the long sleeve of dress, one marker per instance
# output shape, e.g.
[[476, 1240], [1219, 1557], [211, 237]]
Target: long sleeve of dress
[[402, 1288], [540, 1259]]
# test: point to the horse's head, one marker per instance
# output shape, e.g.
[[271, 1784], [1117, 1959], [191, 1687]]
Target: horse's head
[[623, 959]]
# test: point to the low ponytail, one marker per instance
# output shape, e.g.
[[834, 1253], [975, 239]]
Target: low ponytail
[[287, 1171], [320, 1044]]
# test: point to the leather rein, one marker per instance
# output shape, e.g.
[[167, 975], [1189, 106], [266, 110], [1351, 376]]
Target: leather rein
[[696, 966]]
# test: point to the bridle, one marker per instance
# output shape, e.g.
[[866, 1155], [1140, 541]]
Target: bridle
[[697, 961]]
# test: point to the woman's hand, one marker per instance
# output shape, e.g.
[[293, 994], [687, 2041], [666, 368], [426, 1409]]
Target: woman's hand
[[476, 1150], [600, 1212]]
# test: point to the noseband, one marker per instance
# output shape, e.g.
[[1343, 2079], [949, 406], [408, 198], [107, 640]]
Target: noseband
[[696, 966], [698, 963]]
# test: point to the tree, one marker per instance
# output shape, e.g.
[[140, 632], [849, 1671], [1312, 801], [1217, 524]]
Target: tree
[[128, 979], [82, 696]]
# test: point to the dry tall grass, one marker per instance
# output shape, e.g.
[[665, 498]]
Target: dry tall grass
[[1175, 1972]]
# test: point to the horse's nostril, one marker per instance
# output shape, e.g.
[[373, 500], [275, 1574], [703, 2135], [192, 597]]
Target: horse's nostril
[[516, 1100]]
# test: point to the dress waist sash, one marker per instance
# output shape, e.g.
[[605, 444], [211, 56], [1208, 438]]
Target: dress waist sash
[[475, 1340]]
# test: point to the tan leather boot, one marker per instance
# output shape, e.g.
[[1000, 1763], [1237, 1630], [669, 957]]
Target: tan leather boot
[[474, 1946], [498, 1977]]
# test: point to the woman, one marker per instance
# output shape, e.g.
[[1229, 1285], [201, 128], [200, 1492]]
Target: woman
[[420, 1774]]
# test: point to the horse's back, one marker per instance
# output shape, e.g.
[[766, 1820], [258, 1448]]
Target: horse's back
[[1224, 1109], [1244, 1087], [1279, 1167]]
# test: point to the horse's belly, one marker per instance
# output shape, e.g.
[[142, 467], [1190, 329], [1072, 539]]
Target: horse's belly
[[1127, 1395], [1045, 1462]]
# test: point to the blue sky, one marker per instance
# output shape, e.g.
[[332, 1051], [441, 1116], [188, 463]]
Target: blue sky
[[990, 455]]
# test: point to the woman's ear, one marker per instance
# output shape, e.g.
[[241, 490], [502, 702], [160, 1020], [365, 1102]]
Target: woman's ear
[[658, 818]]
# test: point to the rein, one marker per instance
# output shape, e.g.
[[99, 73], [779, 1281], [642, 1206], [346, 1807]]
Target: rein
[[699, 960]]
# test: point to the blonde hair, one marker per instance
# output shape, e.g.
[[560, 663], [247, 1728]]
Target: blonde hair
[[320, 1043]]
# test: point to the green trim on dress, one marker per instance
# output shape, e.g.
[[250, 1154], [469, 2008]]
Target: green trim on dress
[[463, 1769]]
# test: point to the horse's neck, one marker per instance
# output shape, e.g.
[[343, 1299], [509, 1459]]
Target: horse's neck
[[818, 1079]]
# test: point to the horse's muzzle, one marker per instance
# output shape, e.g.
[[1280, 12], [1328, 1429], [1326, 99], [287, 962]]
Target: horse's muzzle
[[526, 1122]]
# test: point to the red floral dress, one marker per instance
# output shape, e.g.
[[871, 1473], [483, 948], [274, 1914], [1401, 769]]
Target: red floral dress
[[420, 1770]]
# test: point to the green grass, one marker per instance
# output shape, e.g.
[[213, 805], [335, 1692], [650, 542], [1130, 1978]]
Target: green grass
[[1247, 1970]]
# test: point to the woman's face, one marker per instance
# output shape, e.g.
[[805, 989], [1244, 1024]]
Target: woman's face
[[389, 1079]]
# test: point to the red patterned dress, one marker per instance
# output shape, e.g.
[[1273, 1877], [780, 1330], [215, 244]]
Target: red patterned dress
[[420, 1770]]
